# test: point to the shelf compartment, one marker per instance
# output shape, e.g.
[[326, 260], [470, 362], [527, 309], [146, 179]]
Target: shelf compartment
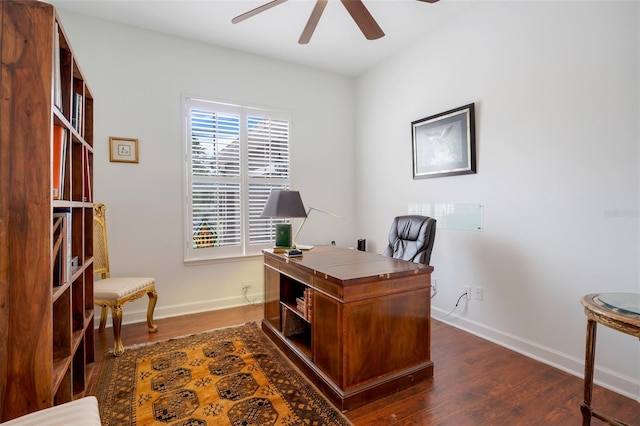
[[62, 388], [87, 253], [77, 304], [62, 325], [88, 116], [88, 337], [88, 286], [59, 291], [290, 290], [77, 160], [77, 102], [79, 378], [296, 329], [77, 235], [65, 73]]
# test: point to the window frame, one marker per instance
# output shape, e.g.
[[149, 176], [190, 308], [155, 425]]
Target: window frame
[[244, 248]]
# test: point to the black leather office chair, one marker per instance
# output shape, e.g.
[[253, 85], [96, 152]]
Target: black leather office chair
[[411, 238]]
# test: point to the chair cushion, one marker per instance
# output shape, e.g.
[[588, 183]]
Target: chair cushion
[[81, 412], [117, 288]]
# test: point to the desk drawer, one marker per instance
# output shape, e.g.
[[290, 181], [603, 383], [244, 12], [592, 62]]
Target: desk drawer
[[295, 271], [275, 263]]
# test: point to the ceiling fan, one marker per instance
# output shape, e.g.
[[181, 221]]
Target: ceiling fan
[[356, 9]]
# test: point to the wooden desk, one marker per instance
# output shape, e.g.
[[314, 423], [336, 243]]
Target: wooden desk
[[357, 324], [610, 315]]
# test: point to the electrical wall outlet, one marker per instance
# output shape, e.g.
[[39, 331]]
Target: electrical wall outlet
[[479, 293], [467, 289]]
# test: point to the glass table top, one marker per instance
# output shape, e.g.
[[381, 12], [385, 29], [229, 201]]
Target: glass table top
[[626, 302]]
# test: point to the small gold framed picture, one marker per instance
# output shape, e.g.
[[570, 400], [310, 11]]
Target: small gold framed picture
[[123, 150]]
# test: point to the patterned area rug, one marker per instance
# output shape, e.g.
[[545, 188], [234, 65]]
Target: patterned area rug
[[232, 376]]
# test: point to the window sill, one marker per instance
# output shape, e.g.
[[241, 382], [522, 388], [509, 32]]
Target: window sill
[[222, 259]]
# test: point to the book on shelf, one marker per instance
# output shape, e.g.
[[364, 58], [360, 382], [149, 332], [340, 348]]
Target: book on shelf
[[308, 297], [65, 234], [76, 114], [302, 311], [57, 85], [303, 304], [59, 160], [87, 175]]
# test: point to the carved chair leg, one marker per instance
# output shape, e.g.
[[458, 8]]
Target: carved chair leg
[[153, 299], [103, 318], [116, 317]]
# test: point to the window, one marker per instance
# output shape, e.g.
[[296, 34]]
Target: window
[[235, 157]]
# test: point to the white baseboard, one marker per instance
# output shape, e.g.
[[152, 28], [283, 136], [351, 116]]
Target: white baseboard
[[140, 315], [604, 377]]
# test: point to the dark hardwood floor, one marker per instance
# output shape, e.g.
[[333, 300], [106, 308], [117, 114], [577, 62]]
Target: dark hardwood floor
[[475, 382]]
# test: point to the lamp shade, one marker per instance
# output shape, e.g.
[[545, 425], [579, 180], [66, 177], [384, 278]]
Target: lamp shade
[[284, 203]]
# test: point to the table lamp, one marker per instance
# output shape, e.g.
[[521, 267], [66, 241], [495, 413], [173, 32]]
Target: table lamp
[[284, 204]]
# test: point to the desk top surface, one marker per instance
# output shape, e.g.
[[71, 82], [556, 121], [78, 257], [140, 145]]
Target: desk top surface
[[347, 264]]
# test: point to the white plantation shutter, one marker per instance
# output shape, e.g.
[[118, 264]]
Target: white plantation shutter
[[236, 156], [268, 142], [268, 168], [216, 207], [261, 230]]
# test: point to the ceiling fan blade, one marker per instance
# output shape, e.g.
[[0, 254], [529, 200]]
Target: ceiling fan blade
[[363, 18], [429, 1], [257, 10], [316, 13]]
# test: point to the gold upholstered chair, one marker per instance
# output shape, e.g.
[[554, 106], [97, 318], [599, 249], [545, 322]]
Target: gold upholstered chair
[[112, 292]]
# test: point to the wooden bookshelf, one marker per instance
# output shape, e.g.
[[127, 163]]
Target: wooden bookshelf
[[46, 320]]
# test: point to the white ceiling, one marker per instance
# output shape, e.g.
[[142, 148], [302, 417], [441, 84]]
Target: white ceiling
[[337, 44]]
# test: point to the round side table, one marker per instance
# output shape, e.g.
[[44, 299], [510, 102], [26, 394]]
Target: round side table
[[619, 311]]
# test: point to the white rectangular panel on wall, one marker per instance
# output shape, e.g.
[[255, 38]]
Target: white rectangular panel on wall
[[460, 216]]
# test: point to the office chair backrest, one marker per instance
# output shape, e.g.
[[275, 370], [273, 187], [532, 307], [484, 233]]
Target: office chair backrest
[[411, 238]]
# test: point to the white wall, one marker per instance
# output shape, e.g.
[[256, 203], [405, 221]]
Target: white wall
[[137, 78], [556, 88]]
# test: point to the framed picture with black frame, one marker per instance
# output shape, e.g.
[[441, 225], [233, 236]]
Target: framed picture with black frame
[[444, 144]]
